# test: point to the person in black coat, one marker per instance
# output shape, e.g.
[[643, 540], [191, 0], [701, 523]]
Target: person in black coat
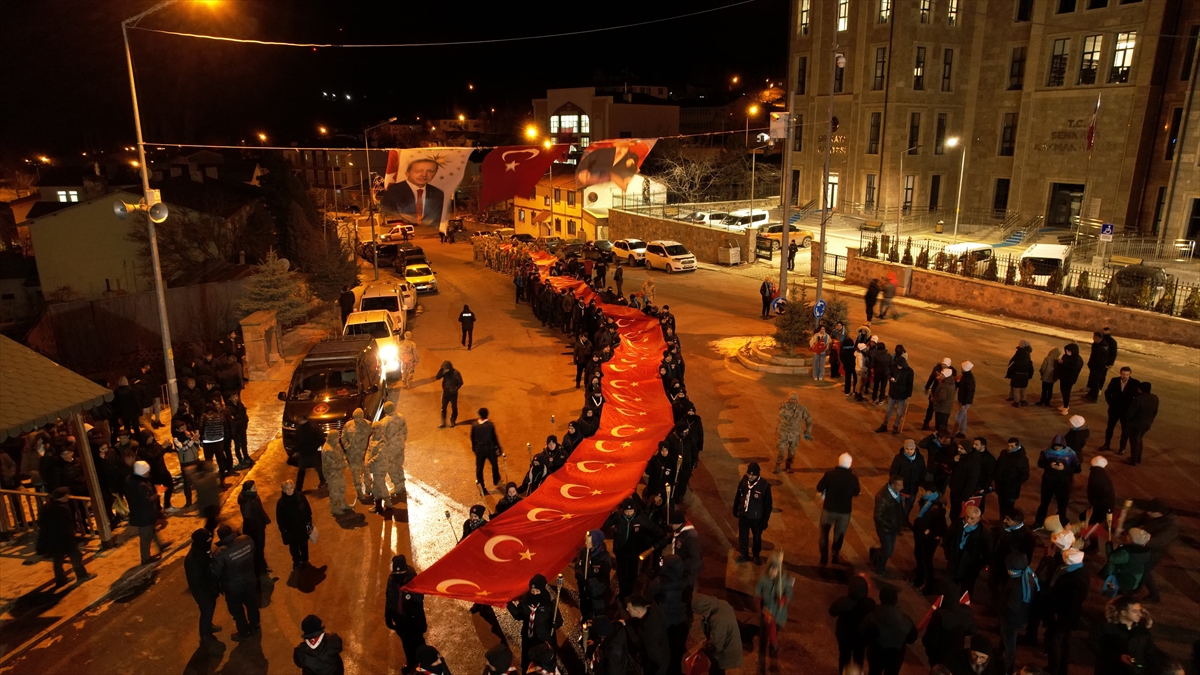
[[309, 439], [467, 319], [452, 381], [486, 446], [669, 589], [202, 581], [319, 653], [1097, 364], [593, 576], [977, 659], [293, 517], [254, 523], [127, 407], [987, 470], [150, 451], [1142, 412], [233, 565], [1012, 471], [1010, 536], [1119, 394], [881, 373], [633, 533], [900, 388], [909, 465], [581, 354], [929, 528], [887, 632], [404, 611], [949, 625], [239, 424], [652, 635], [346, 302], [850, 610], [539, 470], [964, 479], [1067, 592], [535, 611], [144, 509], [838, 487], [752, 507], [968, 549], [870, 298], [1066, 371], [890, 518], [1018, 592], [57, 539], [1020, 372], [766, 291], [1102, 497]]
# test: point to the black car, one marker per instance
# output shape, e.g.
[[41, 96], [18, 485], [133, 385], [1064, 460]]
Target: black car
[[1136, 282], [569, 248], [353, 208], [524, 238], [598, 249], [335, 377]]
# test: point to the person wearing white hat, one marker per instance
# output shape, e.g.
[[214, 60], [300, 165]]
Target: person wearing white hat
[[935, 377], [144, 509], [1102, 497], [966, 396], [1067, 592], [862, 368], [1040, 609], [1077, 436], [944, 396], [838, 488]]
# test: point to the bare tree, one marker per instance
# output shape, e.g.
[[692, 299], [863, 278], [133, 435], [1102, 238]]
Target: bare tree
[[690, 180]]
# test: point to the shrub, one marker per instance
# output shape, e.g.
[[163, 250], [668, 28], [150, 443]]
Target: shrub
[[1191, 308], [908, 258], [991, 272], [923, 259], [1010, 273], [1166, 304], [939, 261], [275, 287], [794, 327]]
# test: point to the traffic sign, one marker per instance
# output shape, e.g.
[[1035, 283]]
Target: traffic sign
[[779, 305], [1106, 231], [819, 309]]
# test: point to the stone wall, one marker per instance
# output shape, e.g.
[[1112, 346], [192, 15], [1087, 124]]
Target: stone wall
[[860, 271], [703, 242]]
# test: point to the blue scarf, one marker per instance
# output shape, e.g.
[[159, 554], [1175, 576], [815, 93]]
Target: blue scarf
[[894, 494], [1029, 583], [911, 459], [967, 530], [1014, 528], [1071, 568], [929, 499]]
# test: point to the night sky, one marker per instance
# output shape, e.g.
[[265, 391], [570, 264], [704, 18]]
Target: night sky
[[68, 90]]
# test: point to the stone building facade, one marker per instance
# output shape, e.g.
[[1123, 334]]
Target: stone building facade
[[1013, 84]]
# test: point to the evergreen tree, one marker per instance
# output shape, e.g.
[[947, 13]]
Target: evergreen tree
[[908, 258], [331, 266], [923, 259], [991, 272], [275, 287], [794, 327], [1191, 308]]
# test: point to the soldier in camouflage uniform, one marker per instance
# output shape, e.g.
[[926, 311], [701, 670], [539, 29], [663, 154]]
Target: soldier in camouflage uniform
[[333, 461], [355, 436], [408, 359], [794, 420], [396, 435], [376, 460]]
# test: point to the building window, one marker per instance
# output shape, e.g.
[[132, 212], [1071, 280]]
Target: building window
[[805, 14], [914, 132], [873, 142], [869, 197], [1159, 204], [546, 200], [951, 12], [926, 10], [1173, 133], [1189, 57], [880, 68], [557, 195], [801, 75], [1089, 62], [935, 191], [521, 215], [1000, 199], [919, 70], [1066, 6], [947, 68], [558, 225], [554, 124], [1016, 69], [843, 15], [910, 183], [1058, 62], [62, 195], [798, 136], [839, 76], [571, 198], [1008, 135], [939, 135], [885, 10], [1097, 4], [570, 227], [1024, 10], [1122, 57]]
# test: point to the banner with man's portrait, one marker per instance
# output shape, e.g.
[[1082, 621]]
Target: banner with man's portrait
[[613, 161], [419, 185]]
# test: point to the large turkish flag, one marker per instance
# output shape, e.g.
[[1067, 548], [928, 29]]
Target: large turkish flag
[[513, 170], [542, 533]]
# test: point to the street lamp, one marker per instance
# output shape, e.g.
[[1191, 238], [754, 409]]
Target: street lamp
[[750, 112], [322, 130], [371, 190], [951, 142], [262, 138], [531, 132]]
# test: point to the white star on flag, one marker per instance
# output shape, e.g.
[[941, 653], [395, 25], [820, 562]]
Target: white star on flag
[[510, 166]]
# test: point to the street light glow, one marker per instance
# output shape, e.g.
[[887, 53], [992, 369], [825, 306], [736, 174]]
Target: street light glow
[[134, 163], [531, 131], [322, 130], [462, 118], [43, 159], [753, 110], [262, 137], [546, 144], [471, 86], [952, 141], [735, 79]]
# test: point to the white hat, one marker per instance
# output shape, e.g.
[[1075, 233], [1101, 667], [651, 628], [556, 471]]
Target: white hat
[[1099, 461], [1072, 556], [1077, 421], [967, 365], [946, 361], [874, 338], [862, 346], [946, 372], [141, 468], [1063, 539], [845, 460]]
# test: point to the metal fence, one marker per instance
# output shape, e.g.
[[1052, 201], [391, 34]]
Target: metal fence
[[835, 265], [19, 510], [1160, 292], [1182, 250]]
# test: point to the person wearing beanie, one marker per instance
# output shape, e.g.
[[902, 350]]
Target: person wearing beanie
[[1010, 536], [404, 611], [966, 477], [944, 396], [475, 520], [1066, 594], [887, 632], [687, 544], [1020, 588], [1066, 371], [949, 626], [1019, 373], [976, 659], [752, 507], [535, 611], [1142, 412], [909, 465], [838, 488], [509, 500], [499, 660], [202, 582], [144, 510], [1119, 394], [1059, 464], [319, 652], [593, 575], [850, 610], [57, 539], [1101, 494], [1012, 472], [1077, 435], [931, 383], [968, 547], [430, 662], [1126, 565], [633, 533], [966, 397], [772, 595]]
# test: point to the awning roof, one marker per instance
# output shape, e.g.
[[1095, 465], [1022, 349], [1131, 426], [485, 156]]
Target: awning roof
[[35, 391]]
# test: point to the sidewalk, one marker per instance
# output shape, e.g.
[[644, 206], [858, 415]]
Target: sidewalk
[[30, 607]]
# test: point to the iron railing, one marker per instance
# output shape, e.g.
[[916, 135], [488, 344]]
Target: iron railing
[[1137, 247], [19, 510], [835, 265]]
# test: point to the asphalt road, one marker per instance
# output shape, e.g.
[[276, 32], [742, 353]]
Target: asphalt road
[[522, 373]]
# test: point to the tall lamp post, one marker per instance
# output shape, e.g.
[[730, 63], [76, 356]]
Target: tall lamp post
[[371, 191], [953, 142], [750, 112]]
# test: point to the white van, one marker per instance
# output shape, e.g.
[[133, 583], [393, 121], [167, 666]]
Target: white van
[[710, 218], [961, 252], [1045, 258], [743, 218], [396, 298]]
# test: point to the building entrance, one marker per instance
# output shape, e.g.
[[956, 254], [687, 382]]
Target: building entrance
[[1066, 202]]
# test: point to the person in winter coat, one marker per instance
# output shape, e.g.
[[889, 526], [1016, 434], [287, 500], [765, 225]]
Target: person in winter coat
[[430, 662], [929, 527], [319, 653], [333, 460], [207, 481], [949, 625], [500, 660], [409, 359], [476, 518], [652, 634], [1102, 497], [254, 523], [987, 470], [404, 611], [581, 354], [848, 352], [862, 370], [1067, 592], [144, 510], [509, 500], [1059, 464], [890, 518], [1019, 373], [452, 381], [1119, 395], [201, 581], [539, 470], [1160, 523], [1066, 371], [977, 659], [795, 423], [486, 446], [881, 372], [57, 539], [233, 565], [1012, 471], [1047, 374], [632, 533], [1018, 591], [467, 319], [944, 395], [1142, 412], [1126, 564], [1123, 644], [966, 396], [376, 461], [850, 610], [909, 465], [309, 439], [356, 434], [1097, 363], [766, 291], [293, 517], [900, 388], [752, 507], [1010, 536], [535, 611], [1077, 435], [887, 632], [593, 576], [838, 487], [723, 638], [870, 298], [152, 452], [668, 589], [965, 474], [127, 407], [239, 424], [772, 595], [968, 549]]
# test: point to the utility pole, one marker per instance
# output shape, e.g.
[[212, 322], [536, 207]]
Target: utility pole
[[826, 207], [786, 189], [371, 192]]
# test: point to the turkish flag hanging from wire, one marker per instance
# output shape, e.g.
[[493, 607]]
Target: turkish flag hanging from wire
[[1091, 132], [514, 170], [544, 531]]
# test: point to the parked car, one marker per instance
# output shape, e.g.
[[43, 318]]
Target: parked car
[[421, 277], [598, 249], [671, 256], [524, 238], [629, 251], [505, 233], [774, 232], [408, 254], [1130, 282], [743, 218], [710, 218], [971, 251], [569, 248], [387, 334], [395, 298], [353, 208], [398, 231], [551, 243], [335, 377], [1045, 259]]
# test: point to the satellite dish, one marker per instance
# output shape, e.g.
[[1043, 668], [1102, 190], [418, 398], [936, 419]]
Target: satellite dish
[[158, 212]]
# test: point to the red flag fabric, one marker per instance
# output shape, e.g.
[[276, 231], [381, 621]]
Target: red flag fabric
[[929, 615], [616, 161], [514, 170], [1091, 132], [543, 532]]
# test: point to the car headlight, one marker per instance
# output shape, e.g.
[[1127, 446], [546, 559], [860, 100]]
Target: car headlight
[[289, 424], [388, 353]]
